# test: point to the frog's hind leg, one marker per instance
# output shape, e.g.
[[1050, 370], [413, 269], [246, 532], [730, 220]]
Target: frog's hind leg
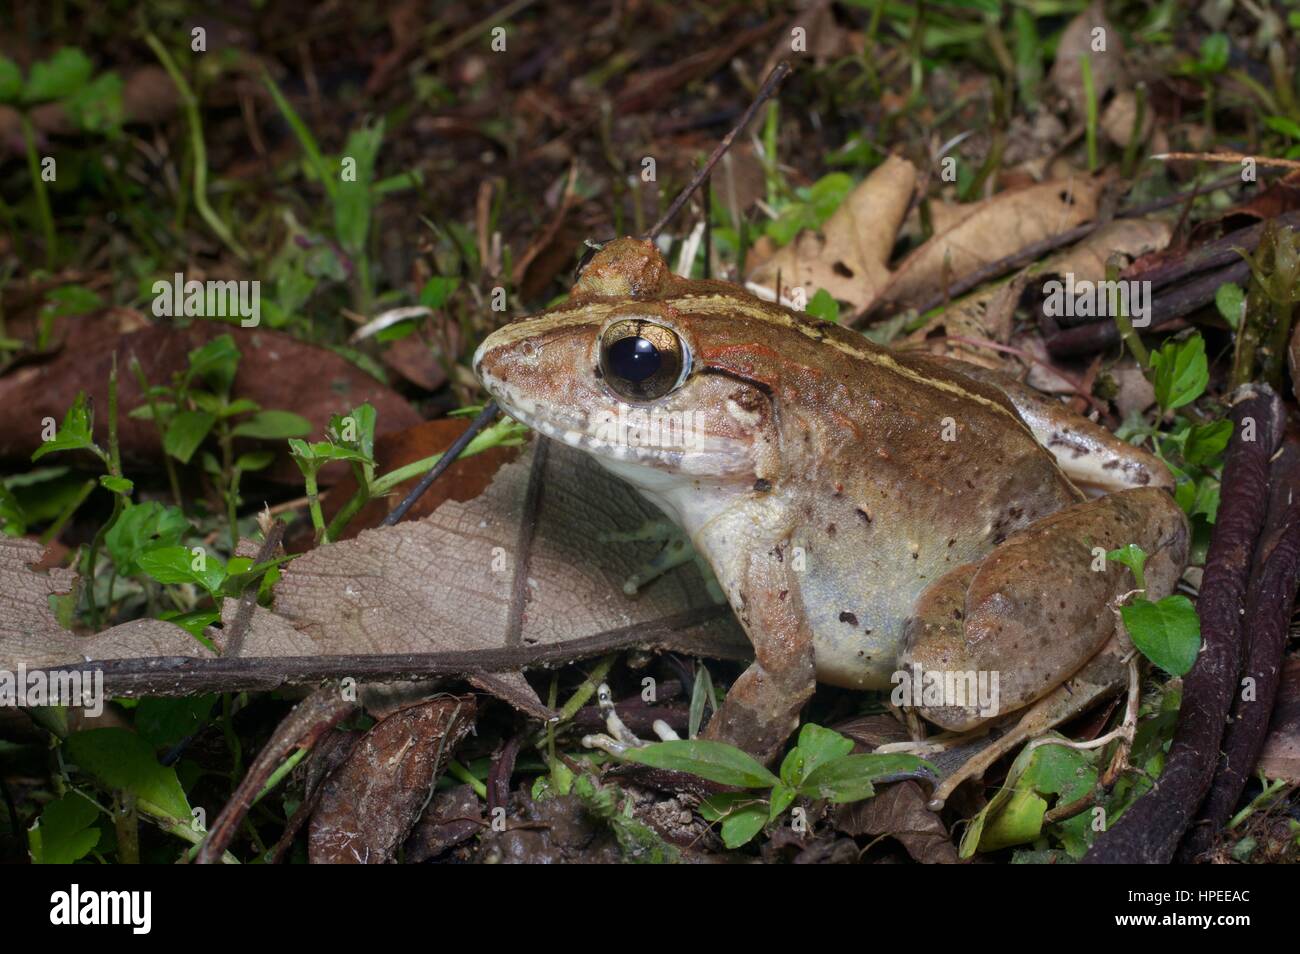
[[1090, 455], [1034, 620]]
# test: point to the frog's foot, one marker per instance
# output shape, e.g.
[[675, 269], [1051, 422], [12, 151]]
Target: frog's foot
[[620, 737], [676, 551]]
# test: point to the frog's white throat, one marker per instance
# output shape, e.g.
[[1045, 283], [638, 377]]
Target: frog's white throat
[[690, 502]]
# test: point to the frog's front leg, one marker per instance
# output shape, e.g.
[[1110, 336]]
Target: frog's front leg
[[1036, 610], [762, 707]]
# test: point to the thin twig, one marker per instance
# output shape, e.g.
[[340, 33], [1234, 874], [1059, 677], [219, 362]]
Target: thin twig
[[485, 416], [774, 78]]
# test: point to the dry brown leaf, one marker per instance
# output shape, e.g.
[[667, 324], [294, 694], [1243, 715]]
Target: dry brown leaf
[[998, 227], [30, 634], [448, 583], [849, 256], [372, 801], [900, 811], [1077, 42], [451, 584]]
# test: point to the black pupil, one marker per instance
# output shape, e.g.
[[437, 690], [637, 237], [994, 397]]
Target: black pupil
[[634, 358]]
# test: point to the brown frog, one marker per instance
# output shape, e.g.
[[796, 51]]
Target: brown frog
[[866, 512]]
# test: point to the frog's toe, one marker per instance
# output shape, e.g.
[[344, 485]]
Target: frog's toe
[[620, 737]]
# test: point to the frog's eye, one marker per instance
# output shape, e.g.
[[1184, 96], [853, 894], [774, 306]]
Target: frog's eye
[[641, 361]]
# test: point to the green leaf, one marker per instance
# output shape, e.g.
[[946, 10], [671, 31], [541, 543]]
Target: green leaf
[[123, 761], [849, 779], [71, 300], [65, 831], [216, 363], [1180, 372], [11, 80], [1231, 302], [256, 460], [97, 106], [824, 306], [828, 193], [185, 432], [716, 761], [166, 721], [1167, 632], [142, 527], [194, 622], [61, 75], [741, 826], [437, 290], [1206, 441], [118, 485], [13, 519], [273, 425], [782, 796], [1285, 126], [75, 432], [1133, 557], [1215, 50], [178, 565], [816, 747], [352, 199]]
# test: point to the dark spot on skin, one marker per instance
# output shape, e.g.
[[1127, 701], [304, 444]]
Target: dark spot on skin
[[952, 541], [597, 372], [839, 268], [847, 617], [864, 515], [830, 530], [956, 614], [782, 595], [838, 490], [762, 486], [915, 555]]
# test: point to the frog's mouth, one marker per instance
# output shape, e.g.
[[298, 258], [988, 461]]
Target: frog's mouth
[[648, 436]]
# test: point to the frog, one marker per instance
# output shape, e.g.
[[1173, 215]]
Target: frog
[[868, 513]]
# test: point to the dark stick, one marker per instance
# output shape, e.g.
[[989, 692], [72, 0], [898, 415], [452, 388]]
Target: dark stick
[[503, 767], [774, 78], [485, 416], [1268, 615], [708, 227], [301, 728], [1169, 305], [1149, 832], [187, 675]]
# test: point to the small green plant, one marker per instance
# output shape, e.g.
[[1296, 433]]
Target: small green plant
[[199, 404], [820, 766], [93, 102], [351, 438], [1166, 631]]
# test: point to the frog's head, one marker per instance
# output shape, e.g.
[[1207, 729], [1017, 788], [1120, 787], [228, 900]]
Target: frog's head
[[625, 371]]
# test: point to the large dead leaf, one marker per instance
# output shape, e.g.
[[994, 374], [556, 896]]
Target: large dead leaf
[[848, 257], [275, 370], [522, 575], [996, 228]]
